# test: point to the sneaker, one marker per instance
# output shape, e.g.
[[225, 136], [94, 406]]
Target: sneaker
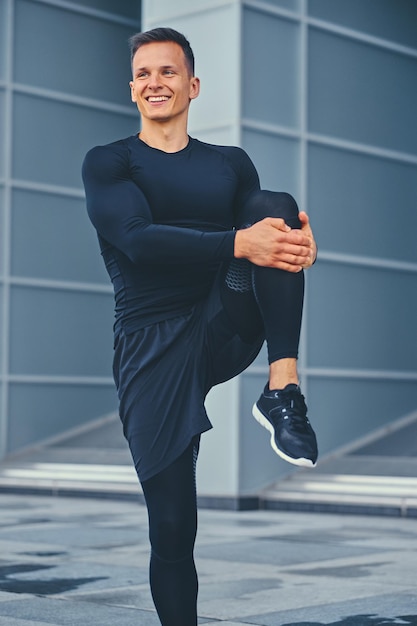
[[284, 413]]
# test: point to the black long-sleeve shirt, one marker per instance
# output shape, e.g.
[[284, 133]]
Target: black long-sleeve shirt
[[165, 221]]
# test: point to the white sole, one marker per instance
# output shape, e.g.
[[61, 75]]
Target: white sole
[[261, 419]]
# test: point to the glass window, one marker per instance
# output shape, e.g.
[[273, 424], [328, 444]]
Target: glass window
[[88, 57], [358, 318], [276, 159], [361, 93], [52, 237], [50, 144], [389, 19], [56, 332], [270, 69], [375, 196], [40, 411]]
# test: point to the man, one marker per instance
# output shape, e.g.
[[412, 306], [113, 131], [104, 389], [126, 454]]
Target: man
[[205, 267]]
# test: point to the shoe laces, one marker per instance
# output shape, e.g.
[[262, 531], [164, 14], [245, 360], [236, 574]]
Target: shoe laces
[[292, 406]]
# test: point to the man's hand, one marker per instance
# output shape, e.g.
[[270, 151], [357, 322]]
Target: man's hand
[[306, 230], [271, 243]]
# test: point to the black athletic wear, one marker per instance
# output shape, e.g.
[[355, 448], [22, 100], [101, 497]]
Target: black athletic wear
[[188, 316], [172, 508], [165, 221]]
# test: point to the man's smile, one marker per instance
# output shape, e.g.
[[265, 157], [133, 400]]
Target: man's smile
[[157, 98]]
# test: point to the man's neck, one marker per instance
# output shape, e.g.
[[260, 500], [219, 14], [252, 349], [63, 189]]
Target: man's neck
[[164, 138]]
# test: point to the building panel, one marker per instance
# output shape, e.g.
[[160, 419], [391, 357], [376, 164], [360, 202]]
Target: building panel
[[375, 195], [52, 238], [40, 411], [3, 155], [49, 134], [362, 93], [393, 20], [58, 332], [276, 159], [358, 318], [270, 72], [348, 409], [79, 54]]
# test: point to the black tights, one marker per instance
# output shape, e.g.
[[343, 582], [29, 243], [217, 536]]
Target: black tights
[[262, 299], [172, 509]]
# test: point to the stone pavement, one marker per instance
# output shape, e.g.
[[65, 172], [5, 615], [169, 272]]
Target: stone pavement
[[84, 562]]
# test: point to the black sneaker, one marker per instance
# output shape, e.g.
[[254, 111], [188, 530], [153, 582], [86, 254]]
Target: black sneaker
[[284, 413]]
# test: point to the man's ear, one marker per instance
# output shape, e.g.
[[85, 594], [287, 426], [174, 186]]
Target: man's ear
[[194, 87], [131, 85]]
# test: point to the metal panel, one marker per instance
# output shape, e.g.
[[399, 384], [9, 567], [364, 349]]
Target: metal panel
[[61, 133], [60, 333], [276, 159], [389, 19], [362, 318], [343, 410], [87, 57], [3, 39], [2, 132], [1, 325], [53, 238], [362, 93], [270, 70], [40, 411], [2, 242], [374, 197]]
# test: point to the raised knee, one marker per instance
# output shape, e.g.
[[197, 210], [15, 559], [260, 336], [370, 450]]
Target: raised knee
[[264, 203]]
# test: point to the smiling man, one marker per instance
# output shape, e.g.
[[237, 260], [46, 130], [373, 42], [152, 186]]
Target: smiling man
[[205, 268]]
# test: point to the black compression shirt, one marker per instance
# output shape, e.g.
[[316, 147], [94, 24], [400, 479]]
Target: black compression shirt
[[165, 221]]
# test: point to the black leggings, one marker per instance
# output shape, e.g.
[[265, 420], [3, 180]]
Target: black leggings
[[172, 509], [263, 299], [258, 300]]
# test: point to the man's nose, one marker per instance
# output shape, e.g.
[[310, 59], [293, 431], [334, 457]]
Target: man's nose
[[154, 81]]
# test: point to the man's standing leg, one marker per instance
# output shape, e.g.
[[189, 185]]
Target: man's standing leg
[[172, 508]]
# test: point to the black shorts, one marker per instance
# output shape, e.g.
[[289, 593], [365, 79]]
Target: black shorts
[[163, 373]]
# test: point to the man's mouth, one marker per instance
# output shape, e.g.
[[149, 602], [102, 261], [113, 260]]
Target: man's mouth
[[157, 98]]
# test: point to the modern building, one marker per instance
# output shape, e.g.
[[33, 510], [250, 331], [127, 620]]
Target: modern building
[[323, 96]]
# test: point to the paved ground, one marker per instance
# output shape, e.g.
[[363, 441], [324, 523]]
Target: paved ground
[[83, 562]]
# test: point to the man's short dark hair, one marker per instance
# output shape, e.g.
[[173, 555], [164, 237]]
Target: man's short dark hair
[[163, 34]]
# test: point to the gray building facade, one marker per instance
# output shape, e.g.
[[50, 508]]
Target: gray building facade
[[323, 96]]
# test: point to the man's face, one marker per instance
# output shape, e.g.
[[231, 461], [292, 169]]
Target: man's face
[[162, 85]]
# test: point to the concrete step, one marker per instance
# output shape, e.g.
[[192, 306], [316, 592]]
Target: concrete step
[[372, 492], [84, 479]]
